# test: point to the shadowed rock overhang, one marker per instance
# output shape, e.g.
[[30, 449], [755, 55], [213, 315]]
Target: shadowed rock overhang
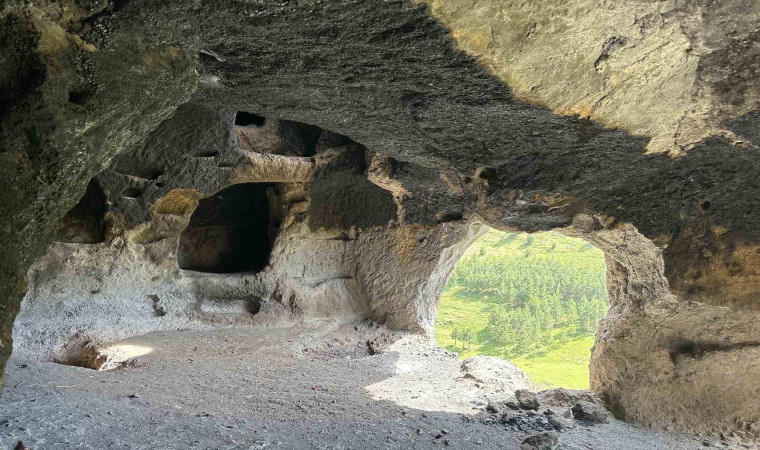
[[150, 92]]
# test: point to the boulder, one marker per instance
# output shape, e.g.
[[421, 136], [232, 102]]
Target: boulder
[[589, 412], [496, 373], [541, 441], [566, 398], [560, 422], [527, 399]]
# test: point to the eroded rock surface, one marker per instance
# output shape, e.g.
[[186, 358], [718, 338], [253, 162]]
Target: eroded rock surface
[[381, 150], [281, 246], [656, 69]]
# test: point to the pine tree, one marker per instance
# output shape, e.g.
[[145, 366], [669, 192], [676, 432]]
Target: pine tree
[[533, 300], [572, 312], [456, 335], [469, 336]]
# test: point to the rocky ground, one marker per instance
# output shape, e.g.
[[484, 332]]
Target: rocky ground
[[316, 387]]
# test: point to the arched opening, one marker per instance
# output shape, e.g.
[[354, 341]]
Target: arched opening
[[535, 299], [231, 231]]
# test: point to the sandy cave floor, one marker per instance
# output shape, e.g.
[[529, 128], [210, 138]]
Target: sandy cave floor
[[312, 387]]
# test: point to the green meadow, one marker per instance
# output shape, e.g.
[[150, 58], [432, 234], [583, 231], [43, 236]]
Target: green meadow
[[534, 299]]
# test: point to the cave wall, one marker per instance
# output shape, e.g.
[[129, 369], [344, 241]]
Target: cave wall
[[342, 248], [654, 125], [664, 362], [62, 118]]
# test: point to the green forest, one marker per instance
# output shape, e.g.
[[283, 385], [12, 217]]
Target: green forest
[[535, 299]]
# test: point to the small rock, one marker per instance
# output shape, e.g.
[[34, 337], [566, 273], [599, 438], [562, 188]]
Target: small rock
[[492, 408], [135, 395], [526, 399], [509, 416], [560, 423], [589, 412], [526, 423], [540, 441], [566, 398], [480, 442]]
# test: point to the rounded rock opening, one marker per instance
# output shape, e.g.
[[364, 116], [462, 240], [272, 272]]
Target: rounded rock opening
[[231, 231]]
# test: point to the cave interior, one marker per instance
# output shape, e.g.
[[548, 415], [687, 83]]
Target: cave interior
[[229, 224]]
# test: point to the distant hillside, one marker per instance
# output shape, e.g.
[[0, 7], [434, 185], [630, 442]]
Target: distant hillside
[[533, 298]]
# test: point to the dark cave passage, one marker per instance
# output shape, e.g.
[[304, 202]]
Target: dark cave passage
[[229, 232], [246, 119], [85, 222]]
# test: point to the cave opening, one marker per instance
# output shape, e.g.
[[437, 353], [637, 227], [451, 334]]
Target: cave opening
[[246, 119], [85, 222], [535, 299], [231, 231]]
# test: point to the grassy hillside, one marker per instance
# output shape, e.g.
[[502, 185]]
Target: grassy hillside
[[564, 365], [534, 299]]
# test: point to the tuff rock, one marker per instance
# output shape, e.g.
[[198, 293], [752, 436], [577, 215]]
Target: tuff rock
[[371, 142]]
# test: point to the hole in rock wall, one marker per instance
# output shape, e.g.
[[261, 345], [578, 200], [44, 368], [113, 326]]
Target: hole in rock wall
[[131, 192], [246, 119], [232, 307], [535, 299], [136, 168], [449, 216], [279, 136], [207, 154], [231, 231], [85, 222], [301, 138]]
